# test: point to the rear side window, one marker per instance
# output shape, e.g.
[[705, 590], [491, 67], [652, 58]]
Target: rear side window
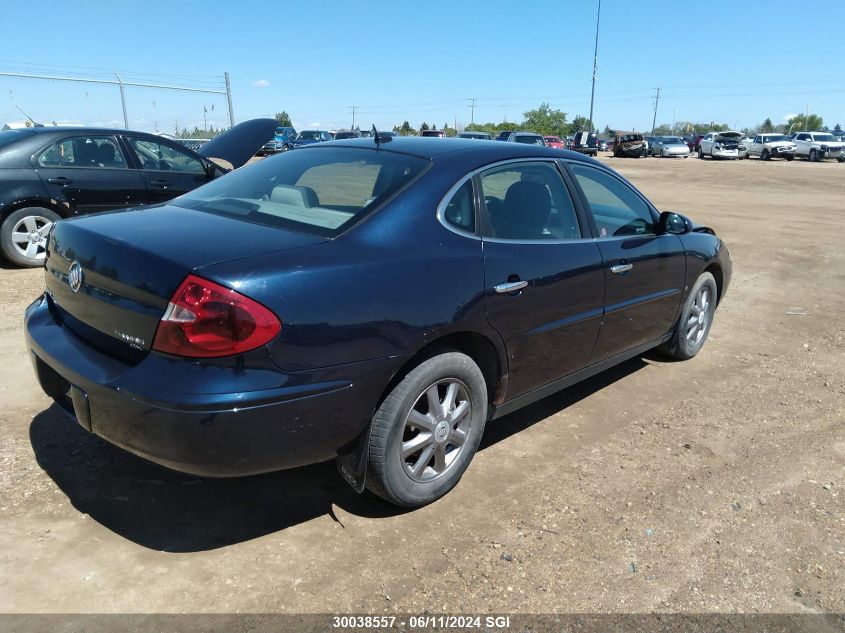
[[460, 210], [83, 151], [321, 190], [616, 208]]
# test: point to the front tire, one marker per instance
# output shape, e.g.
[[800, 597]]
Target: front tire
[[765, 155], [694, 325], [701, 153], [814, 156], [427, 430], [23, 235]]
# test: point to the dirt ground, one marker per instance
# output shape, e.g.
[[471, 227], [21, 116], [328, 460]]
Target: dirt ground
[[713, 485]]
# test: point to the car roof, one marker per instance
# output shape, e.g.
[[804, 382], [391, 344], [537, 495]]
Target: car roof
[[434, 148]]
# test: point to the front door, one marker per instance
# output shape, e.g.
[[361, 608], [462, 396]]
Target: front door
[[89, 173], [644, 272], [167, 169], [543, 273]]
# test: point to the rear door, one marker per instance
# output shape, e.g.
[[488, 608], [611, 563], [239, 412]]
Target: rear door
[[90, 173], [167, 169], [544, 282], [644, 272]]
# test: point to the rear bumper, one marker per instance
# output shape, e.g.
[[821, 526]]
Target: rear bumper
[[229, 427]]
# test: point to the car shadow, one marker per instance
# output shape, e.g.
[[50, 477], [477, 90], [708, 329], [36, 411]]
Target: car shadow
[[169, 511]]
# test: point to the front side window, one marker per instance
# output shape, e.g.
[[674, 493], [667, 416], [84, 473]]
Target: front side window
[[160, 157], [83, 151], [616, 208], [323, 190], [529, 201]]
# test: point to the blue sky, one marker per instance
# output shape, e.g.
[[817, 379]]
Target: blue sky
[[722, 60]]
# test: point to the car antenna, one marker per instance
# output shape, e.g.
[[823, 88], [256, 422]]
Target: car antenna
[[34, 124]]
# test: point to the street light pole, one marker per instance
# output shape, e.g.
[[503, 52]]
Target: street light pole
[[595, 67]]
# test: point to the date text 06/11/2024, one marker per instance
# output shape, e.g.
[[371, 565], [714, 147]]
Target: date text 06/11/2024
[[421, 622]]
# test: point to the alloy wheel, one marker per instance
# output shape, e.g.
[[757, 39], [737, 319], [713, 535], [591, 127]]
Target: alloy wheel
[[29, 236], [436, 430], [699, 316]]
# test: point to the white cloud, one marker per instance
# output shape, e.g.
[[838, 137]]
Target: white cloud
[[260, 83], [786, 117]]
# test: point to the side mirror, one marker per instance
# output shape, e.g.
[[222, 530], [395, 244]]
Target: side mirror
[[211, 170], [674, 223]]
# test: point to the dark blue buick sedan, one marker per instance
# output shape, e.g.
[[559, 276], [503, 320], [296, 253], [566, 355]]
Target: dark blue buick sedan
[[372, 301]]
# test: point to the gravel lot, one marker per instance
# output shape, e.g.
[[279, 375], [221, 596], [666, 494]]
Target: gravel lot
[[714, 485]]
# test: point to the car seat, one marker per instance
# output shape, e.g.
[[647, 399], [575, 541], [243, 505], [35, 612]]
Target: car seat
[[526, 210]]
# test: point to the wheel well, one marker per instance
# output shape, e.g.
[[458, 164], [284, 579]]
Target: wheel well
[[476, 346], [47, 204], [716, 270]]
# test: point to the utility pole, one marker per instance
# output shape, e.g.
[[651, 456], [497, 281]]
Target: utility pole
[[656, 101], [807, 118], [472, 110], [353, 117], [229, 99], [122, 100], [595, 67]]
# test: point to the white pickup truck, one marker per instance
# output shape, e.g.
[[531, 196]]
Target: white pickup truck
[[766, 146], [816, 146]]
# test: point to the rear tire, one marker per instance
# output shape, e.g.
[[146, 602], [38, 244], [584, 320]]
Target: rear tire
[[420, 445], [694, 325], [23, 235]]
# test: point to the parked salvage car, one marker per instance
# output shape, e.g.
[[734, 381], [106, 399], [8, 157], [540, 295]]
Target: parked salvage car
[[344, 134], [478, 136], [669, 146], [433, 133], [553, 141], [527, 138], [629, 145], [766, 146], [238, 329], [722, 145], [816, 146], [49, 173], [308, 137]]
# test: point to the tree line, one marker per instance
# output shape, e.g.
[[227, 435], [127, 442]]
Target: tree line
[[552, 122]]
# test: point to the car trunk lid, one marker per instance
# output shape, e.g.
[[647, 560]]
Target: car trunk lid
[[234, 147], [110, 276]]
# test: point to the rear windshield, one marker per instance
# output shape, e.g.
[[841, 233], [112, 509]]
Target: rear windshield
[[530, 140], [321, 190], [310, 136]]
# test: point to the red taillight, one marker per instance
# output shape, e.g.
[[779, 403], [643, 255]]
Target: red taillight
[[205, 319]]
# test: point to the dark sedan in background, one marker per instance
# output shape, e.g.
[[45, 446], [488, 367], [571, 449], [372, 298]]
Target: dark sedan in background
[[373, 301], [49, 173], [308, 137]]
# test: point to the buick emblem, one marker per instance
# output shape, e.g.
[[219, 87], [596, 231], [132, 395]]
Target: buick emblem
[[74, 276]]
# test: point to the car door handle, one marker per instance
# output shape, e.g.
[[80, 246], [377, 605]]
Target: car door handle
[[59, 180], [510, 286], [159, 183], [621, 269]]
